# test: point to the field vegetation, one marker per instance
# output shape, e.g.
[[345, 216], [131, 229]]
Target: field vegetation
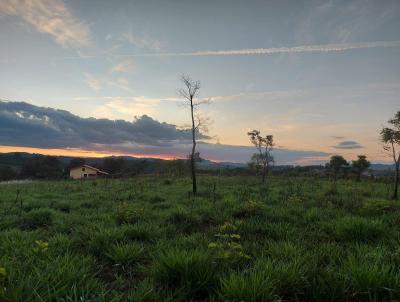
[[148, 238]]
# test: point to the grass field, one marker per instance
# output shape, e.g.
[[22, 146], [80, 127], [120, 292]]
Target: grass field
[[147, 239]]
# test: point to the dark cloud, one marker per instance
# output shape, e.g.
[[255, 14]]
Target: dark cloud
[[26, 125], [348, 145], [338, 137]]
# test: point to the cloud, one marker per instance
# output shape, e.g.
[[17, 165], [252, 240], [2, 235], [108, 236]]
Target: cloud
[[348, 145], [26, 125], [259, 96], [123, 67], [33, 126], [142, 42], [129, 106], [98, 83], [323, 48], [337, 137], [342, 20], [93, 82], [279, 50], [51, 17]]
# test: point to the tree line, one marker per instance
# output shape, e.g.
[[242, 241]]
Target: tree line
[[390, 137]]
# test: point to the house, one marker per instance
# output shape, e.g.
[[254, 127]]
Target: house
[[85, 171]]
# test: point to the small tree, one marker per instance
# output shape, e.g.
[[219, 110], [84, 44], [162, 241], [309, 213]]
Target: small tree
[[190, 93], [360, 165], [337, 164], [264, 146], [391, 138]]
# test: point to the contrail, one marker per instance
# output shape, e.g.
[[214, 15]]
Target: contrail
[[277, 50], [255, 51]]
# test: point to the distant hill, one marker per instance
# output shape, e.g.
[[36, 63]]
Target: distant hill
[[381, 167], [18, 159]]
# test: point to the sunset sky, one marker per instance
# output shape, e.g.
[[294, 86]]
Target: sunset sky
[[322, 76]]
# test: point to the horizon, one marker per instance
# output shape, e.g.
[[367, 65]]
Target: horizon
[[322, 77]]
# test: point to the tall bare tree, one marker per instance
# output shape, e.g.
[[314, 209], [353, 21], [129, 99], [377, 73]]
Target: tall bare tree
[[264, 146], [391, 138], [190, 92]]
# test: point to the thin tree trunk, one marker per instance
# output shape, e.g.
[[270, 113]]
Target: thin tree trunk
[[397, 164], [396, 183], [193, 163]]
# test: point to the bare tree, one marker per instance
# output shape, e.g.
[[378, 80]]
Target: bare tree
[[264, 147], [190, 92]]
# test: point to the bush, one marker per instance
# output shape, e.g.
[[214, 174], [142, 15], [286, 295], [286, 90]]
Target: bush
[[227, 247], [191, 274], [37, 218]]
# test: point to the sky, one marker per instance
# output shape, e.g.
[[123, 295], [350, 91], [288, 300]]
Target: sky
[[323, 77]]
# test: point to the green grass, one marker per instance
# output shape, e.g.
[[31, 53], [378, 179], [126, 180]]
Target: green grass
[[147, 239]]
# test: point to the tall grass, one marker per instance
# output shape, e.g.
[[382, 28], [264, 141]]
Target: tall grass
[[146, 239]]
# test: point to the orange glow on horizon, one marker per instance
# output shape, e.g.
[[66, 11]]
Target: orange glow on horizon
[[75, 152]]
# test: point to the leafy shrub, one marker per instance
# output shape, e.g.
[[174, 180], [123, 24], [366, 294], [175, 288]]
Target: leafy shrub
[[227, 246], [41, 247], [126, 213], [37, 218], [253, 286], [190, 274]]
